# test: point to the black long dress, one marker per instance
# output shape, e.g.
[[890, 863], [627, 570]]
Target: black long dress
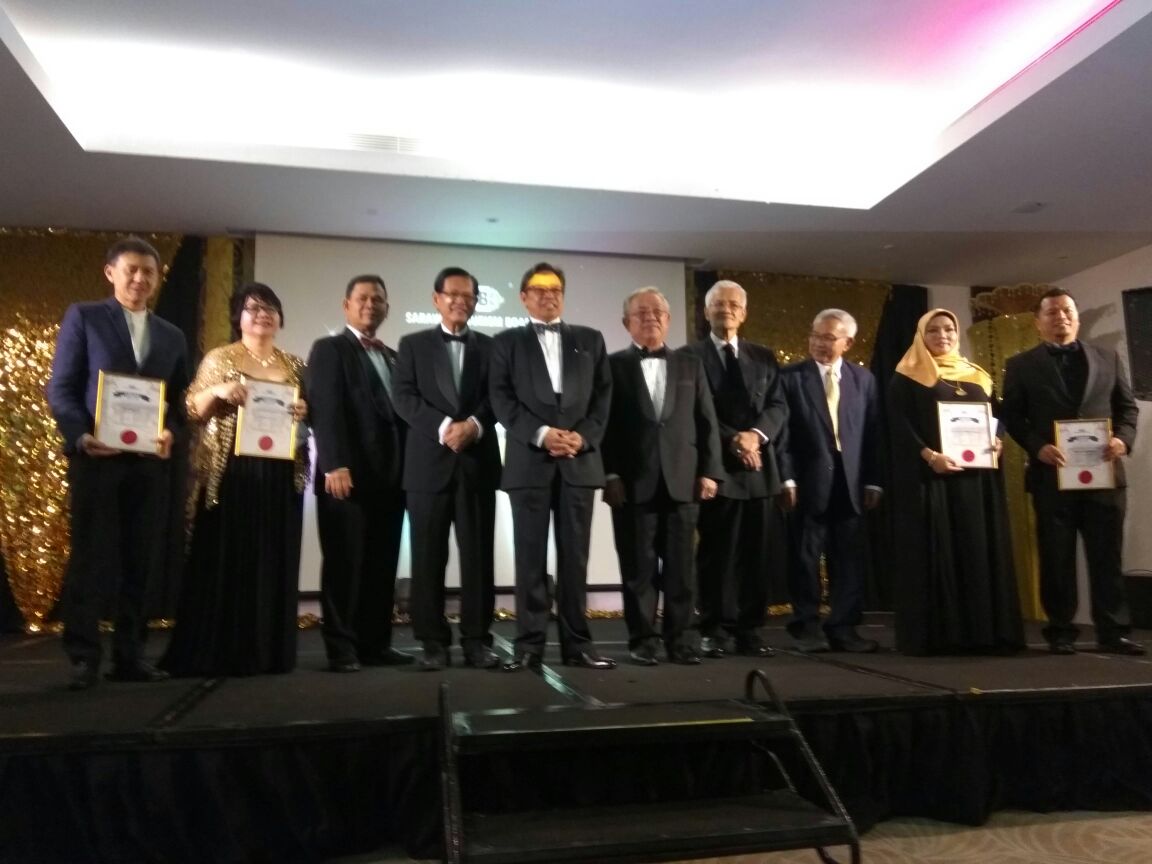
[[955, 579], [237, 611]]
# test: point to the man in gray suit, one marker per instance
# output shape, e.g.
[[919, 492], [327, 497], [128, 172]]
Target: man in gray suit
[[551, 388], [1065, 378], [662, 455]]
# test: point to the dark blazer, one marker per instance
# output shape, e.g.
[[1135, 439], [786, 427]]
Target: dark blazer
[[808, 450], [1035, 397], [766, 410], [94, 337], [352, 416], [523, 400], [424, 393], [679, 445]]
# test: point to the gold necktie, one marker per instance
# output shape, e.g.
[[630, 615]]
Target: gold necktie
[[832, 394]]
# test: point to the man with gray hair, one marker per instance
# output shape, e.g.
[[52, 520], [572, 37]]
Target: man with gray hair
[[732, 558], [830, 467]]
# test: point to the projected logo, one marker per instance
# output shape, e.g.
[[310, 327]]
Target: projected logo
[[490, 300]]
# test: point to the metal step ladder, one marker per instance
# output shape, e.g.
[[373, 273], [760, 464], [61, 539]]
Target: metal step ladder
[[772, 817]]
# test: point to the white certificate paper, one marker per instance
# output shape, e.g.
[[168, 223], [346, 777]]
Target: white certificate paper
[[264, 423], [1083, 443], [966, 433], [129, 412]]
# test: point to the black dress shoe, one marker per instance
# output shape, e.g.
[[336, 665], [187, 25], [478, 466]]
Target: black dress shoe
[[387, 657], [343, 666], [481, 658], [713, 646], [644, 654], [811, 644], [139, 671], [685, 655], [754, 649], [853, 644], [1062, 646], [434, 657], [524, 660], [1123, 645], [588, 660], [83, 675]]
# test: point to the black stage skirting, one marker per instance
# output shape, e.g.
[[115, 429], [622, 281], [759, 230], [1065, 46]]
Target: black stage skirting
[[312, 765]]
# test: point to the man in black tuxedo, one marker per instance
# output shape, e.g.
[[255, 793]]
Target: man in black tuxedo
[[1065, 378], [732, 556], [551, 388], [451, 471], [117, 536], [829, 462], [662, 455], [359, 499]]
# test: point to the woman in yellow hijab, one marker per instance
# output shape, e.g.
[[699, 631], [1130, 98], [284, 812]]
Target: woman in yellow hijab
[[955, 582]]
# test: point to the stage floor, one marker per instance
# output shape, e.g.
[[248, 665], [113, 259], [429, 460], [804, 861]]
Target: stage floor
[[37, 711]]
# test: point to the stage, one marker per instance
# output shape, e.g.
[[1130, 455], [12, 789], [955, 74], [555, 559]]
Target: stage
[[315, 765]]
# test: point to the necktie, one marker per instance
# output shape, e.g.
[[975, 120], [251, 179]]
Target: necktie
[[554, 327], [832, 394], [660, 353], [733, 378], [371, 344], [453, 337]]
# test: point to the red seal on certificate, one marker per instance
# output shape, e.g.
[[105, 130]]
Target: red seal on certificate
[[128, 436], [1084, 477], [967, 455], [266, 442]]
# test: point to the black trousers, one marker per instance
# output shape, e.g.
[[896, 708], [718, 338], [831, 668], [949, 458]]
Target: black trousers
[[654, 544], [431, 516], [1098, 517], [732, 561], [360, 542], [840, 535], [119, 512], [532, 509]]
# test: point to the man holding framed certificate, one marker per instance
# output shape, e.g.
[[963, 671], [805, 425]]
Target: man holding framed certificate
[[1069, 405], [117, 387]]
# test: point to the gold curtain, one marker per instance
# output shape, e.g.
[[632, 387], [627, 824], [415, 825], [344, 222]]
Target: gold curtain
[[44, 271]]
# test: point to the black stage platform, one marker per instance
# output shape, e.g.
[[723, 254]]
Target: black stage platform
[[314, 765]]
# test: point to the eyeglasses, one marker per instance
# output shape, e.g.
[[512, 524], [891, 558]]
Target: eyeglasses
[[544, 292], [825, 338], [255, 309], [648, 313]]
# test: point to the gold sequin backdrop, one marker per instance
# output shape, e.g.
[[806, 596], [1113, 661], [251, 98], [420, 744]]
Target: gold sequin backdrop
[[44, 271]]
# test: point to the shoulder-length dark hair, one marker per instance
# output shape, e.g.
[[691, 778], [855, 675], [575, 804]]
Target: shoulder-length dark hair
[[256, 291]]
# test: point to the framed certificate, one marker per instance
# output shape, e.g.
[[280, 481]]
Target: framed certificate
[[264, 423], [967, 433], [129, 412], [1083, 443]]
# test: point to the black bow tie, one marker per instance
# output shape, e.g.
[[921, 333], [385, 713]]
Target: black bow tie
[[554, 327], [453, 337], [660, 353], [1057, 350]]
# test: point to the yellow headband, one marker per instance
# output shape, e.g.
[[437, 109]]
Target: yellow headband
[[545, 280]]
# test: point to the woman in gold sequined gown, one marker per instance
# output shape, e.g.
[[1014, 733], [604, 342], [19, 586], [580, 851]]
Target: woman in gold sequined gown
[[955, 580], [238, 601]]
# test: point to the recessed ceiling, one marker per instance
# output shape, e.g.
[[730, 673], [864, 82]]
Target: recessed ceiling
[[500, 124]]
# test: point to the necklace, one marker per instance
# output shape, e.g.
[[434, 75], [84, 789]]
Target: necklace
[[955, 385], [264, 362]]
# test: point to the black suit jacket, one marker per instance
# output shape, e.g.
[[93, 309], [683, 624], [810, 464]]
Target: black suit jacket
[[679, 445], [765, 409], [424, 393], [94, 337], [523, 400], [808, 450], [1035, 397], [352, 417]]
